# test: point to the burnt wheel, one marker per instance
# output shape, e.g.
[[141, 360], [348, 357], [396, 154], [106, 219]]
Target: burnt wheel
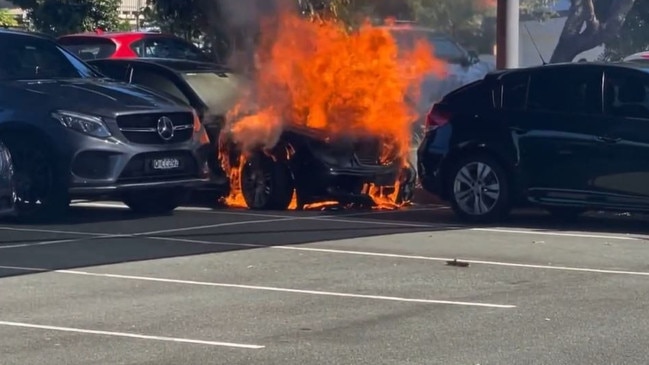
[[266, 184], [41, 190], [156, 201], [407, 184], [479, 189]]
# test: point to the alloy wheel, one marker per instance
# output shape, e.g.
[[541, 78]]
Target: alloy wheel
[[476, 188]]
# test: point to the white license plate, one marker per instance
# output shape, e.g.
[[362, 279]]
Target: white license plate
[[166, 163]]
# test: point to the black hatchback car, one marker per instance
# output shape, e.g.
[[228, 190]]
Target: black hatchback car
[[569, 137], [73, 134]]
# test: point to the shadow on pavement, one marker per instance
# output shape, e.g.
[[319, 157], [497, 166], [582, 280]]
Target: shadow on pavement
[[50, 247]]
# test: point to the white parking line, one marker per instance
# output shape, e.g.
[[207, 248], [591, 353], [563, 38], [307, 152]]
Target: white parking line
[[410, 257], [130, 335], [43, 243], [560, 234], [263, 288], [39, 230], [217, 225]]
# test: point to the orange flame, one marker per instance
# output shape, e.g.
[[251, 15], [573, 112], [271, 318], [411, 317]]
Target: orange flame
[[318, 75]]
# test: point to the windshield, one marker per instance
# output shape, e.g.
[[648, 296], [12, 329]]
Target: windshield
[[89, 48], [443, 47], [217, 90], [168, 47], [38, 59]]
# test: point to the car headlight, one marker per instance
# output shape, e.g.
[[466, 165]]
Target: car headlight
[[83, 123]]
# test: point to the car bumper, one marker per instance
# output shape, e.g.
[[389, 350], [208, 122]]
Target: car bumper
[[99, 167], [342, 183], [430, 159], [118, 188]]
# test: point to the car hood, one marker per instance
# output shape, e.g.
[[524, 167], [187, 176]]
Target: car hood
[[220, 92], [100, 97]]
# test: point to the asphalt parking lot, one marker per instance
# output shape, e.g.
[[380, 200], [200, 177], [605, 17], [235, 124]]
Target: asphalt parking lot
[[322, 287]]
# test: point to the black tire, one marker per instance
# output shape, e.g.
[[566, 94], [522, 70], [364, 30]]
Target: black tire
[[156, 201], [266, 184], [40, 182], [497, 201]]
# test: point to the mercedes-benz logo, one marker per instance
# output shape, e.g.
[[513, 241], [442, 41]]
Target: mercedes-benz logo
[[165, 128]]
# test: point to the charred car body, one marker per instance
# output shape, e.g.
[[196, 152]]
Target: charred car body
[[304, 160], [73, 134]]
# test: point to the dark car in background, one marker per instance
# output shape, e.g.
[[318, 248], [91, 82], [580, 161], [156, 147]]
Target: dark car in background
[[307, 161], [74, 134], [99, 45], [568, 137]]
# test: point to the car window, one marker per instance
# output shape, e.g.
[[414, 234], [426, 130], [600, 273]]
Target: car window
[[566, 90], [626, 94], [113, 70], [157, 82], [514, 91], [89, 48], [160, 47], [26, 58], [473, 97], [443, 47]]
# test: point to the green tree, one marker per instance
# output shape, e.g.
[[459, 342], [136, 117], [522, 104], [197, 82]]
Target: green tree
[[6, 19], [192, 19], [67, 16], [590, 24]]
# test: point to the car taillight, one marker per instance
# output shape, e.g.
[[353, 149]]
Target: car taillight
[[435, 118]]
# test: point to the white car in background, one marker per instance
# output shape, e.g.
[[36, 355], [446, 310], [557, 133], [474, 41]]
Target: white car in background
[[463, 67]]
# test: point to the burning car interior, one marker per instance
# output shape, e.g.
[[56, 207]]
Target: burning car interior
[[307, 167], [319, 124]]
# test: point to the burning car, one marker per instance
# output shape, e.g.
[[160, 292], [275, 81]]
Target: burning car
[[348, 169], [305, 160], [323, 117]]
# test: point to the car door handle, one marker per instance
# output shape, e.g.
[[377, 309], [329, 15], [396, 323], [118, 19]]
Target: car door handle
[[606, 139]]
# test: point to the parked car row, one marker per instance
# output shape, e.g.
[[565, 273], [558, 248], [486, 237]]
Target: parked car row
[[148, 131]]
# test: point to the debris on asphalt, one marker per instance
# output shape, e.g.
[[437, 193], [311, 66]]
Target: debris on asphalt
[[457, 263], [538, 242]]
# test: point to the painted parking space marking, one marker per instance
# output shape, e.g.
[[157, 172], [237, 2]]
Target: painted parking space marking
[[262, 288], [129, 335], [408, 257]]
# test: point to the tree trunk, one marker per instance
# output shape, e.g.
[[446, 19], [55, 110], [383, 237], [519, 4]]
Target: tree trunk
[[583, 31]]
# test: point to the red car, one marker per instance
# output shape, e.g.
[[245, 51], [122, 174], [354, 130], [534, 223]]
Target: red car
[[99, 44]]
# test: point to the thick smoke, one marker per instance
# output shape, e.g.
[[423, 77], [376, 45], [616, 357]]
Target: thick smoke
[[242, 21]]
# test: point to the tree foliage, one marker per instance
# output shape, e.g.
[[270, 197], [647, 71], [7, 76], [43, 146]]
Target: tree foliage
[[6, 19], [591, 23], [67, 16]]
